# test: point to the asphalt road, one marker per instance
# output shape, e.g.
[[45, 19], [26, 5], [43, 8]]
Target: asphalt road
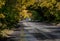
[[36, 31], [42, 31]]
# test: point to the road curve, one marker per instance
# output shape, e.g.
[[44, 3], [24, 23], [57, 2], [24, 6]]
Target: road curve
[[42, 31]]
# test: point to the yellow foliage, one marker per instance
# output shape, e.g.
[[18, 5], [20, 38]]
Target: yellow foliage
[[2, 16], [49, 5], [43, 4], [58, 5], [53, 1], [5, 32], [25, 14], [23, 7], [46, 4], [0, 24], [31, 2], [2, 2]]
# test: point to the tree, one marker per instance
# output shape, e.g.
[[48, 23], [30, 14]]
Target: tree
[[9, 15], [47, 9]]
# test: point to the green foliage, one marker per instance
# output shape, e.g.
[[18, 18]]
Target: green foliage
[[9, 15], [12, 11], [44, 10], [47, 10]]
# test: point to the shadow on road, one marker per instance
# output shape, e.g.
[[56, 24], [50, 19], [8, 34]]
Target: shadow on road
[[41, 35], [54, 34]]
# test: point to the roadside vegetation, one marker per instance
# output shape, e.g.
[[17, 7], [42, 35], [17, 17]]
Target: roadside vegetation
[[13, 11]]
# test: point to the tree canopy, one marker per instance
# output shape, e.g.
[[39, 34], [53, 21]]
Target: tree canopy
[[12, 11]]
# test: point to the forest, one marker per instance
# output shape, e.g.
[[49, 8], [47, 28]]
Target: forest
[[13, 11]]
